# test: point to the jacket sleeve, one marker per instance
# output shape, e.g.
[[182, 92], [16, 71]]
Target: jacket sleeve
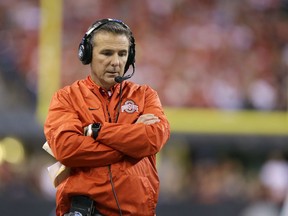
[[64, 133], [138, 140]]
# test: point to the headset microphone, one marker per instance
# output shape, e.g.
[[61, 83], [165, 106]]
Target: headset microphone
[[120, 79]]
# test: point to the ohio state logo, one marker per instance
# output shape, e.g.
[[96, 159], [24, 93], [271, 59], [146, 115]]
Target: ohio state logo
[[129, 107]]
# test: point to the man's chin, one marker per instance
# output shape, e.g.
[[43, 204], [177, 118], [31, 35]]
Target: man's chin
[[110, 80]]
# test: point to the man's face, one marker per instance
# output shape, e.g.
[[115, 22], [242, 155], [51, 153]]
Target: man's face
[[110, 53]]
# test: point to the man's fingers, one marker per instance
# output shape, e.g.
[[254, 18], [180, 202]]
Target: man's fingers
[[149, 122], [148, 119], [147, 116]]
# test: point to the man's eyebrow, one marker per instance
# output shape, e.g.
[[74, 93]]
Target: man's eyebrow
[[112, 50], [106, 49]]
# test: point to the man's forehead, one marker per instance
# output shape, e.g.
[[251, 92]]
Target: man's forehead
[[110, 39]]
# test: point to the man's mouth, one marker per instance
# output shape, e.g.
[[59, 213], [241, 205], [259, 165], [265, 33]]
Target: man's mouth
[[112, 73]]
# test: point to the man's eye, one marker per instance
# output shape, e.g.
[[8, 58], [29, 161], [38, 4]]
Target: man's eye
[[107, 53], [122, 54]]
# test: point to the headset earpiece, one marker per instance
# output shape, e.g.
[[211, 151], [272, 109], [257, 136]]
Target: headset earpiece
[[85, 51], [131, 55]]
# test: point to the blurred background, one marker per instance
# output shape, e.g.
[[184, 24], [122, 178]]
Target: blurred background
[[220, 68]]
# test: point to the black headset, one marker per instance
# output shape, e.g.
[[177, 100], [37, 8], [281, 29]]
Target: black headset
[[85, 47]]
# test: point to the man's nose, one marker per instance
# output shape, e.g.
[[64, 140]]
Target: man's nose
[[115, 60]]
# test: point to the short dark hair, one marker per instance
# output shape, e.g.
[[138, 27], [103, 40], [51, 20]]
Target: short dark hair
[[111, 27]]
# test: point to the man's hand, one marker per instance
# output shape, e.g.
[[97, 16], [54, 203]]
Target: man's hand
[[148, 119]]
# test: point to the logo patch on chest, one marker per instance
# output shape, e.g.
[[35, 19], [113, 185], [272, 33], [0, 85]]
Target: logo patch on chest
[[129, 107]]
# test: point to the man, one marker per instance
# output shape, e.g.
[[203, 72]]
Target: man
[[107, 130]]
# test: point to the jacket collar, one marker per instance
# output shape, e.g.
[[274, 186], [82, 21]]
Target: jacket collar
[[94, 87]]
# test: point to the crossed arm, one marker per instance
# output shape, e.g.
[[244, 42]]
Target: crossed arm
[[104, 154], [64, 133]]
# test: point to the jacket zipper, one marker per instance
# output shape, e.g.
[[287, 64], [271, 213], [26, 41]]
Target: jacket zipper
[[109, 116]]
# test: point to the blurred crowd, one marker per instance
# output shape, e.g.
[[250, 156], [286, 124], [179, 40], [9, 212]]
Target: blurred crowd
[[259, 183], [212, 53]]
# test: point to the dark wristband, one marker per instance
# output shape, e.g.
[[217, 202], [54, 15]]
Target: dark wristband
[[95, 129]]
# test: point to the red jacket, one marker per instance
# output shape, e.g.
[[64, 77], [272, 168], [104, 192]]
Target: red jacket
[[129, 148]]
